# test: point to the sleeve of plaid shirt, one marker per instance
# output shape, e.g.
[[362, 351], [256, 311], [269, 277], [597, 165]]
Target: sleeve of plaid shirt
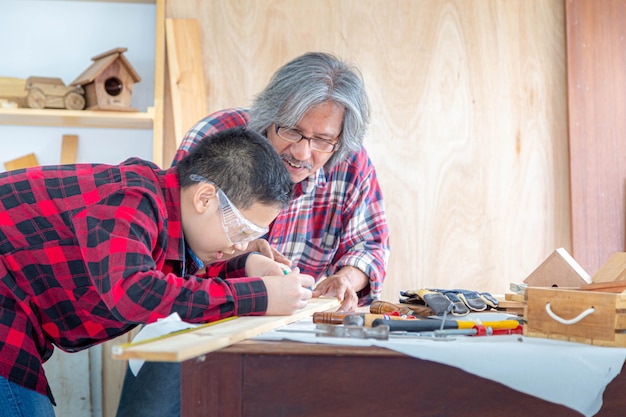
[[364, 241], [213, 123], [123, 240]]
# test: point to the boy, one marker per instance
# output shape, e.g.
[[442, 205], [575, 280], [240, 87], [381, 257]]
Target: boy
[[88, 252]]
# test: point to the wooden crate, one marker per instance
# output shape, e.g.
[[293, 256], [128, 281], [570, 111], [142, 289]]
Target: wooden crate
[[605, 326]]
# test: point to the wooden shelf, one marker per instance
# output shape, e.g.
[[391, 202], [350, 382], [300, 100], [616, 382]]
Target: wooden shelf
[[78, 118], [121, 1]]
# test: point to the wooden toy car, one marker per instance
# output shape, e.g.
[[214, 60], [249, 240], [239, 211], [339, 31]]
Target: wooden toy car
[[45, 92]]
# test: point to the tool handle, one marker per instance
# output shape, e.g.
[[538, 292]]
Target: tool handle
[[415, 325], [383, 307], [501, 324], [338, 318], [330, 318]]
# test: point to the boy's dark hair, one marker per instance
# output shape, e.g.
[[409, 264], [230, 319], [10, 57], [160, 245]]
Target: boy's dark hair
[[243, 164]]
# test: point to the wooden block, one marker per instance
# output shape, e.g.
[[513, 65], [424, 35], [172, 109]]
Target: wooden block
[[213, 336], [515, 297], [186, 74], [12, 87], [26, 161], [13, 90], [511, 306], [69, 148], [558, 270], [613, 270]]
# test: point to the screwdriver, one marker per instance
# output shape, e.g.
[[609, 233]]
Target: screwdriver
[[435, 324]]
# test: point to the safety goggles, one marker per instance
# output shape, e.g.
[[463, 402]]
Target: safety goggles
[[237, 227]]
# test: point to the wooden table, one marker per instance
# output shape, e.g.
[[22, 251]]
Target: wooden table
[[272, 379]]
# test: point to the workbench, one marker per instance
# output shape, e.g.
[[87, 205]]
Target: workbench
[[269, 378], [278, 366]]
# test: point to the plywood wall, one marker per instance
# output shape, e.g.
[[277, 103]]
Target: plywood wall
[[469, 131]]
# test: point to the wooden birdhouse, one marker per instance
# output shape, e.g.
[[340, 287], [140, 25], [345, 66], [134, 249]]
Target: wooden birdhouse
[[558, 270], [108, 82]]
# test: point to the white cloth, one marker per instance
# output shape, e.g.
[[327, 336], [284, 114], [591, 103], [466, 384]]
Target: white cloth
[[161, 327], [571, 374]]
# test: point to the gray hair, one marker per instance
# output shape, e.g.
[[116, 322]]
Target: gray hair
[[309, 80]]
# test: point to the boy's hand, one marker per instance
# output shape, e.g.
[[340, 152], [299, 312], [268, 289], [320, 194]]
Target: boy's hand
[[258, 265], [287, 293]]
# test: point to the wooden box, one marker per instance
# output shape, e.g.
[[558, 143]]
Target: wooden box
[[592, 317]]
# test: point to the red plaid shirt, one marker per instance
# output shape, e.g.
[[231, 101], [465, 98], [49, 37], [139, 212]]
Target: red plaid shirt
[[336, 219], [87, 252]]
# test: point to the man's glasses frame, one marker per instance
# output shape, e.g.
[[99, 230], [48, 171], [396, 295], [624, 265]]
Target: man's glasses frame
[[317, 144]]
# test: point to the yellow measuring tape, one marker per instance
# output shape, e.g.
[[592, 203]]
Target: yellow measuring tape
[[119, 348]]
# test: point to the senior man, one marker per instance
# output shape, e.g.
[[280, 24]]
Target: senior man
[[315, 112]]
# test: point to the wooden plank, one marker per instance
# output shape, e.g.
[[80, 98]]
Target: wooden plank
[[25, 161], [12, 92], [613, 271], [12, 87], [605, 287], [514, 297], [77, 118], [113, 372], [159, 85], [214, 336], [186, 74], [595, 33], [69, 148]]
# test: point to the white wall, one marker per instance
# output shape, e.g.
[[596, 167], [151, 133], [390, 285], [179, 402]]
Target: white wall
[[58, 39]]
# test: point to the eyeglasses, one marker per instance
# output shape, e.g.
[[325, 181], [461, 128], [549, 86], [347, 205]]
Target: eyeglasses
[[316, 144], [237, 227]]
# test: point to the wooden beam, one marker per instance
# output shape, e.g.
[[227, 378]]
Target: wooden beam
[[25, 161], [613, 271], [596, 58], [186, 74], [69, 148], [159, 85]]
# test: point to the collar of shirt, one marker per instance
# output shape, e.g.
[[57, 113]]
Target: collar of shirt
[[307, 185], [196, 263]]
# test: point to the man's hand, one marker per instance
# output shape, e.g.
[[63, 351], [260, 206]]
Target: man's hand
[[338, 286], [343, 285], [263, 247]]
